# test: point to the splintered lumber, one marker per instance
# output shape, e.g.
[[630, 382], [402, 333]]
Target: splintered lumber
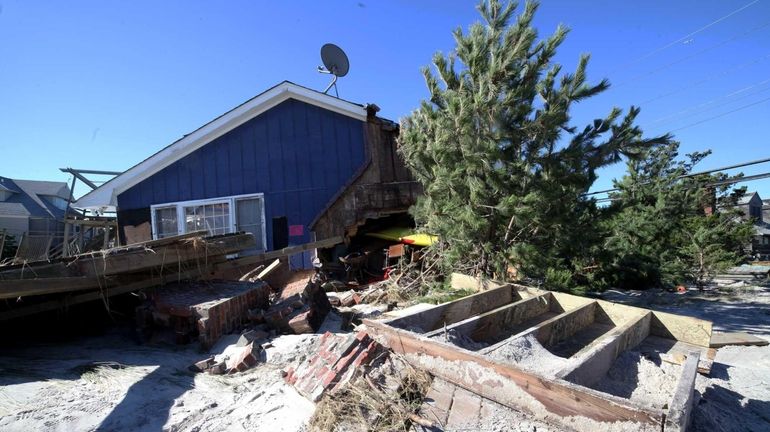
[[271, 268], [458, 310], [720, 339], [555, 401], [69, 300], [32, 287], [287, 251], [168, 253], [680, 408]]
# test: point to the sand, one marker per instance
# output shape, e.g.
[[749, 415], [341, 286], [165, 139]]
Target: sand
[[736, 395], [59, 387], [632, 376], [56, 387]]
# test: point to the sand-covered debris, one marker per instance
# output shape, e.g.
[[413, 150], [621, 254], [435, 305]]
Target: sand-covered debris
[[633, 376], [528, 353]]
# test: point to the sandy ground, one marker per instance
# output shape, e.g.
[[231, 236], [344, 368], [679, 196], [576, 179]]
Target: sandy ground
[[111, 383], [736, 395]]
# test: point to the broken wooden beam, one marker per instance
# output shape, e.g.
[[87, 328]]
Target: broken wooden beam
[[288, 251], [168, 254], [69, 300], [11, 289]]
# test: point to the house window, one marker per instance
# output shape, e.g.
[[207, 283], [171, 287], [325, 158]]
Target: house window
[[165, 222], [58, 202], [216, 216]]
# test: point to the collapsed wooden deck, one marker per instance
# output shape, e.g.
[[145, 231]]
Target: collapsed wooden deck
[[590, 333], [51, 285]]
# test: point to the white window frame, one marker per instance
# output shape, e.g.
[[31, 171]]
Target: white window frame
[[230, 200]]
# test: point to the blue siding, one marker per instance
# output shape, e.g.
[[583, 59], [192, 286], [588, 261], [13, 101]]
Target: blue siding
[[297, 154]]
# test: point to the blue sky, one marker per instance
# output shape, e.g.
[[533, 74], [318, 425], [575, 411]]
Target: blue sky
[[102, 85]]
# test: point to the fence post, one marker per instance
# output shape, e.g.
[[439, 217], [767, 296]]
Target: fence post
[[20, 244], [65, 251]]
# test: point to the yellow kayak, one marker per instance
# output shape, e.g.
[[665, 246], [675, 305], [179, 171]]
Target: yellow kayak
[[404, 235]]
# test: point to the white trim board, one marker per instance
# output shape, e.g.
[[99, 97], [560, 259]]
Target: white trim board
[[104, 198]]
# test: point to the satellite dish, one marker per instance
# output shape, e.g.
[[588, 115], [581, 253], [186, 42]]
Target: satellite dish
[[335, 62]]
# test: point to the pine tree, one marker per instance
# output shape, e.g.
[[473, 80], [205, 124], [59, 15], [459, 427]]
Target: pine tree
[[502, 167], [657, 232]]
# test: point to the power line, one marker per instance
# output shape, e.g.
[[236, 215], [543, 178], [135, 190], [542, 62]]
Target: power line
[[686, 37], [713, 170], [672, 117], [685, 58], [707, 79], [722, 115], [729, 181]]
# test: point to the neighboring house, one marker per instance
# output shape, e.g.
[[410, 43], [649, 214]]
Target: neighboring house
[[752, 206], [31, 207], [291, 165]]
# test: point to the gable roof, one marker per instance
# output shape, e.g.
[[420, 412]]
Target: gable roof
[[28, 195], [105, 196], [747, 198]]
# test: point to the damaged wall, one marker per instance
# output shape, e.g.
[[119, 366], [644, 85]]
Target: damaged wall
[[382, 187]]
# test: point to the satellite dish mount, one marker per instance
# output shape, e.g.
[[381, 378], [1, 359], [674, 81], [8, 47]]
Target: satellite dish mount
[[335, 62]]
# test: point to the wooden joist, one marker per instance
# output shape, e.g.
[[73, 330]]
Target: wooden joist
[[594, 362], [565, 325], [680, 408], [489, 325], [458, 310], [561, 401]]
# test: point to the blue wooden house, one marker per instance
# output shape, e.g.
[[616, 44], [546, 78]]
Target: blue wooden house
[[291, 165]]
